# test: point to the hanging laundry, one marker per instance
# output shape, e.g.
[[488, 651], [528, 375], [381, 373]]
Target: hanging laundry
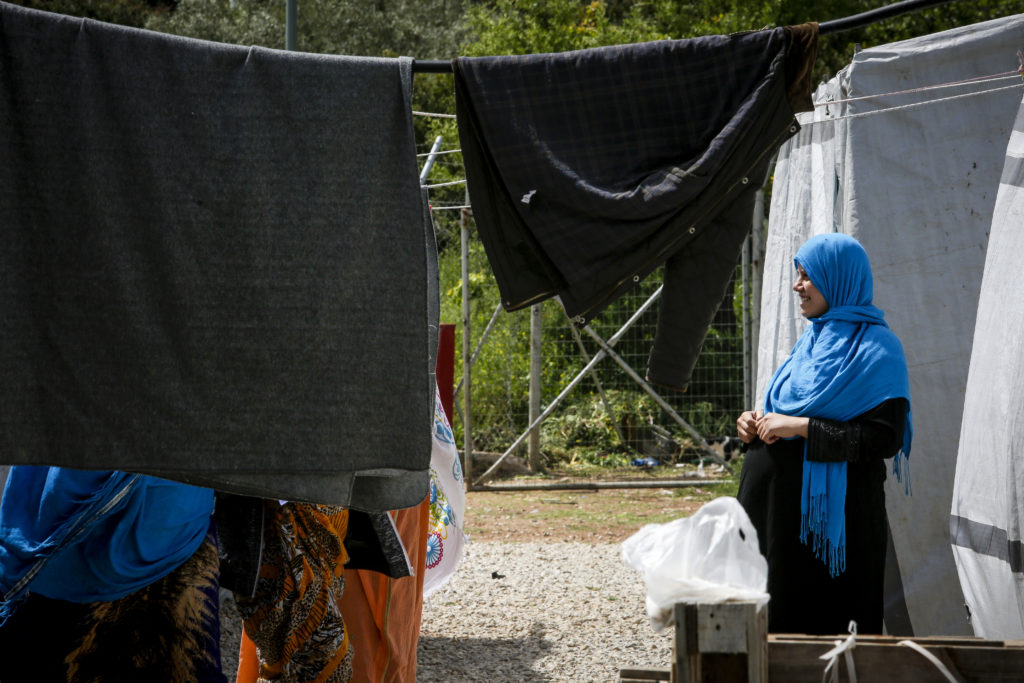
[[217, 264], [589, 169]]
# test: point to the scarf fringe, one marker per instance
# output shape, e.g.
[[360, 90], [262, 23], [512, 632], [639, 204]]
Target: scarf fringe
[[901, 468], [814, 528]]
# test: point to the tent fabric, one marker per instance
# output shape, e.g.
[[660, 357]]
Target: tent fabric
[[916, 186], [987, 515], [217, 264], [589, 169]]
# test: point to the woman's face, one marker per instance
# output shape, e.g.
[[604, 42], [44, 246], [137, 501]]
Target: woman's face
[[812, 302]]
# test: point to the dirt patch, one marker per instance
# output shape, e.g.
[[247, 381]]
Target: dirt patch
[[601, 516]]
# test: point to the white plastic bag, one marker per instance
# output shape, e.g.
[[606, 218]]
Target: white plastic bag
[[710, 557]]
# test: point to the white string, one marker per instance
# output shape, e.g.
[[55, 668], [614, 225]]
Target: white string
[[970, 81], [912, 105], [845, 648], [931, 658], [448, 184], [461, 206], [439, 116], [437, 154]]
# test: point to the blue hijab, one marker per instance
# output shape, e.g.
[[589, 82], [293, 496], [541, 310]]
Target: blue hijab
[[846, 362], [85, 536]]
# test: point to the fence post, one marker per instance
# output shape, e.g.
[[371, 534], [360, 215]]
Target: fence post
[[756, 269], [535, 375], [291, 29], [467, 419], [748, 380]]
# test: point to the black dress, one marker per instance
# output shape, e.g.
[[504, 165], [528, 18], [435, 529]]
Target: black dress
[[804, 598]]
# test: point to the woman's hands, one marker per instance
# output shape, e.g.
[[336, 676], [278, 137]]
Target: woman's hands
[[769, 428], [746, 425], [774, 426]]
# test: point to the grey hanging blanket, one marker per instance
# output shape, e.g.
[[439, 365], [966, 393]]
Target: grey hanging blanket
[[215, 262], [589, 169]]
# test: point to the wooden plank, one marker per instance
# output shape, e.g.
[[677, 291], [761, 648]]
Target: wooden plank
[[720, 641], [644, 675], [945, 641], [798, 662], [722, 627], [757, 645], [795, 659], [685, 657]]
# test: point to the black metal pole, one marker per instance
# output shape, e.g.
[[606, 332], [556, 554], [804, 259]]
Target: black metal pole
[[440, 66], [291, 30], [872, 16], [431, 66]]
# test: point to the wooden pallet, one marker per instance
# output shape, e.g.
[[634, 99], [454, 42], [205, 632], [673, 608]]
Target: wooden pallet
[[795, 658], [729, 642]]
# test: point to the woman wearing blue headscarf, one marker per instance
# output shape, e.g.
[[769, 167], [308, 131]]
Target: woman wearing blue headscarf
[[107, 576], [812, 479]]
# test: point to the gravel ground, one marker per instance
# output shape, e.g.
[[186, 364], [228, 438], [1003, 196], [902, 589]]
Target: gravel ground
[[514, 612], [552, 612]]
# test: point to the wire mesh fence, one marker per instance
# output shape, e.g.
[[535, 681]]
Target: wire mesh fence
[[607, 419]]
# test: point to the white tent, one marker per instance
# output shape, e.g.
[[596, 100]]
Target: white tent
[[913, 176], [988, 495]]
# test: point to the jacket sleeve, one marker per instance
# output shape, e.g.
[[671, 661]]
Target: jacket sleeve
[[873, 435]]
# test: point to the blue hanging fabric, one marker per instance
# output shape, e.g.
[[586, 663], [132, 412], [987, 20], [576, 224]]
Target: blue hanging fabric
[[88, 535]]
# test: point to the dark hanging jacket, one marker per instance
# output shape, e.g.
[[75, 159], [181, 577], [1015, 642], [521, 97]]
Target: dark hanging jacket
[[215, 262], [589, 169]]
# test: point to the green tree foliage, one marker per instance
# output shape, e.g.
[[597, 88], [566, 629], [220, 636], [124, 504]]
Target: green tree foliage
[[372, 28], [244, 22], [505, 27], [531, 26], [124, 12]]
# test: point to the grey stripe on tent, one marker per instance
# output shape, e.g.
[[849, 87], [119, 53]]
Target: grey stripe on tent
[[986, 539], [1013, 172]]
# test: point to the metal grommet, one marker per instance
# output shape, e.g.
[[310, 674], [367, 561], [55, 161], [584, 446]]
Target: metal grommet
[[745, 181], [636, 278], [792, 129], [692, 229]]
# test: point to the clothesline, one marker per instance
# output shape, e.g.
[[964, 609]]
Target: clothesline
[[437, 154], [978, 80], [1006, 75], [810, 123], [447, 184], [458, 206], [440, 116], [911, 105]]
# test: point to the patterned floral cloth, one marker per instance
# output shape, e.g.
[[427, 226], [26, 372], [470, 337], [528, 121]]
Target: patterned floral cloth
[[295, 618], [445, 538]]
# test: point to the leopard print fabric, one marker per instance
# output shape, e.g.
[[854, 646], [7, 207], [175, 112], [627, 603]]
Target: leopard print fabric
[[295, 617]]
